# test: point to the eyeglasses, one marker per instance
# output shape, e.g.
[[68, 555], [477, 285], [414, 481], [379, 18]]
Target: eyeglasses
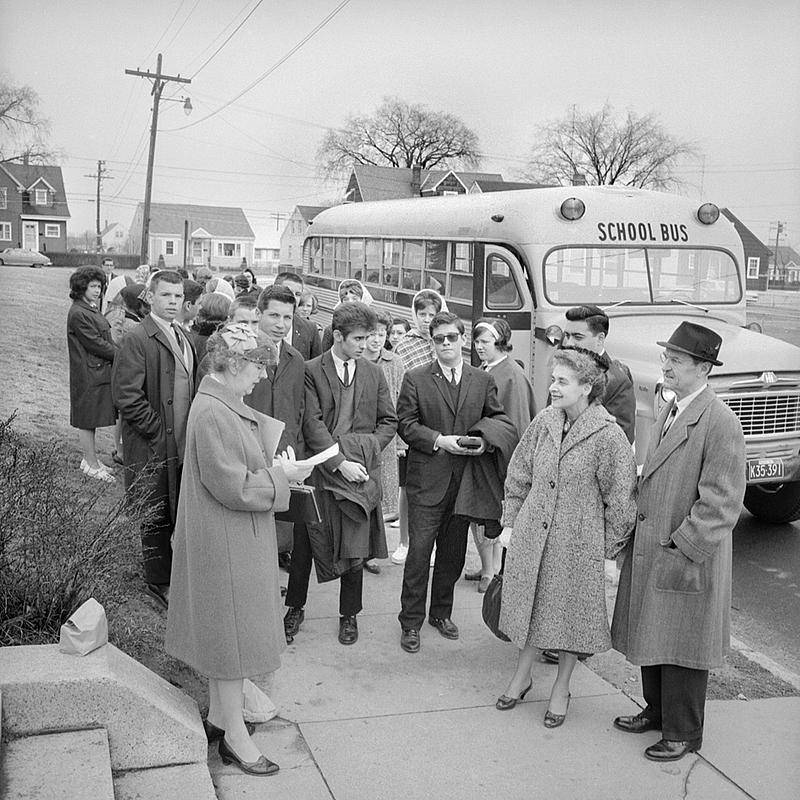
[[440, 338]]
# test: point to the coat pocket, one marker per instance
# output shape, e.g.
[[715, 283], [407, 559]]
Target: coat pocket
[[674, 572], [99, 372]]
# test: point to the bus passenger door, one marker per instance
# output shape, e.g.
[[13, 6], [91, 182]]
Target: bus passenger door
[[505, 293]]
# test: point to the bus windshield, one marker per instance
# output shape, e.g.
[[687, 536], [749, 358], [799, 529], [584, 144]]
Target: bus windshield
[[606, 275]]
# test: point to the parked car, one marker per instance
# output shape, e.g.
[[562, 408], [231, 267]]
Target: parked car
[[20, 257]]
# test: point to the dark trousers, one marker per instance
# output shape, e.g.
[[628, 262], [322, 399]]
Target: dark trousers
[[350, 583], [426, 525], [676, 696], [157, 532]]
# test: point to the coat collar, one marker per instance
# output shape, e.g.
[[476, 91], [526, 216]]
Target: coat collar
[[660, 449], [329, 370], [590, 422], [213, 388]]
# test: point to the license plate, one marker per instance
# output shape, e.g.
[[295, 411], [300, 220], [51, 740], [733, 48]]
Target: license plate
[[765, 469]]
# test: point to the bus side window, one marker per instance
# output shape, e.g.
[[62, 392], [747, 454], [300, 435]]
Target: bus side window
[[501, 289], [461, 287]]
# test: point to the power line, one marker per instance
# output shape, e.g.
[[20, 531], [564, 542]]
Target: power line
[[233, 33], [188, 17], [164, 32], [272, 69]]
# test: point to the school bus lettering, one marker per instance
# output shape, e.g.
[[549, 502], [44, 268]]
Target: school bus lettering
[[641, 232]]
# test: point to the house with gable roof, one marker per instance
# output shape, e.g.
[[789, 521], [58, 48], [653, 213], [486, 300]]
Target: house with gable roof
[[785, 268], [756, 254], [216, 236], [368, 183], [294, 233], [33, 207]]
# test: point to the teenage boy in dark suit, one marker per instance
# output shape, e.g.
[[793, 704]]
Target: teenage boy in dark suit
[[438, 404]]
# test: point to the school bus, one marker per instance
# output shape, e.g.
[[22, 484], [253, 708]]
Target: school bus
[[650, 259]]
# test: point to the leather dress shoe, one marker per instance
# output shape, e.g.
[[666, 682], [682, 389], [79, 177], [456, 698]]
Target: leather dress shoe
[[409, 640], [446, 627], [506, 703], [373, 568], [262, 767], [637, 724], [348, 630], [213, 732], [475, 575], [292, 621], [160, 593], [552, 656], [669, 750]]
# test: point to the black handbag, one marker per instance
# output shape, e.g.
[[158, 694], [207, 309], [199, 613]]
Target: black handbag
[[492, 601], [302, 506]]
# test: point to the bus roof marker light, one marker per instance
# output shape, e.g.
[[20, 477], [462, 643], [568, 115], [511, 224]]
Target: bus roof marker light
[[498, 217], [572, 209], [708, 213]]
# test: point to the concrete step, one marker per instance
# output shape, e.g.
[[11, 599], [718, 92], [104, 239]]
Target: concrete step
[[187, 781], [150, 723], [58, 766]]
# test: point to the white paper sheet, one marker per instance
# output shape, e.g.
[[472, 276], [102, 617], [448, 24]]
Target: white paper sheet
[[319, 458]]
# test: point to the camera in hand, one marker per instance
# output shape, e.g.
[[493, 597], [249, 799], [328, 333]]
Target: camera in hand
[[470, 442]]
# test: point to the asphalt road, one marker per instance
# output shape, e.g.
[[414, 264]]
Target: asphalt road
[[765, 610]]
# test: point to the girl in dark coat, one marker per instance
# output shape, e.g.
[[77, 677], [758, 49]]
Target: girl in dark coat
[[91, 353]]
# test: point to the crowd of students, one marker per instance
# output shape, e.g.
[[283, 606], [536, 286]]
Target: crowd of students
[[221, 391]]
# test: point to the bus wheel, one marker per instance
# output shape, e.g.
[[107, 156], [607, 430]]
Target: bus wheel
[[774, 502]]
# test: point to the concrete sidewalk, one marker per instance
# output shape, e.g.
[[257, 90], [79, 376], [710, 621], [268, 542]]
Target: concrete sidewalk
[[371, 722]]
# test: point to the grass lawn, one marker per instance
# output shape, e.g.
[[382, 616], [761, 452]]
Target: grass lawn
[[34, 361]]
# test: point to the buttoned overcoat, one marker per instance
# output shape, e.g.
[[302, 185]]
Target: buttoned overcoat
[[143, 382], [571, 503], [91, 353], [673, 602], [225, 607]]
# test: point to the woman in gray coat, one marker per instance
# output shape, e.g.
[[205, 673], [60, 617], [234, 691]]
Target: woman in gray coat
[[569, 498], [224, 608]]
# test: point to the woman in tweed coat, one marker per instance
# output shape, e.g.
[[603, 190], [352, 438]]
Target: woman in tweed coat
[[569, 497]]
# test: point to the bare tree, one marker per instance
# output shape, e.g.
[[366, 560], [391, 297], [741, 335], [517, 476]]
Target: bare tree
[[607, 148], [399, 134], [23, 129]]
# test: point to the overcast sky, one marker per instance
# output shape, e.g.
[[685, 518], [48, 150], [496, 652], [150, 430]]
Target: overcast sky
[[725, 75]]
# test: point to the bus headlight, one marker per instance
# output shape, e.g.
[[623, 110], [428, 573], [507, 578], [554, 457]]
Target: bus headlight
[[572, 208], [708, 213], [554, 334]]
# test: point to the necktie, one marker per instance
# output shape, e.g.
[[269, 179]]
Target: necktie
[[453, 377], [346, 380], [177, 336], [670, 419]]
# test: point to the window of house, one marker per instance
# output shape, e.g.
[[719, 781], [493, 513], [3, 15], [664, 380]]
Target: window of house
[[52, 231], [228, 249], [40, 198], [3, 197], [753, 263], [5, 231], [169, 247]]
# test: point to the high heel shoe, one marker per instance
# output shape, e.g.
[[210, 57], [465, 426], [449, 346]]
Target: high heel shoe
[[552, 720], [213, 732], [262, 767], [506, 703]]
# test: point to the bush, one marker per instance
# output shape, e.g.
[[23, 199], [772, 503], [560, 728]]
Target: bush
[[62, 539]]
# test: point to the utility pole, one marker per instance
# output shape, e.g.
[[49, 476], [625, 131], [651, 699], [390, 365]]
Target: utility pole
[[278, 217], [159, 82], [102, 175]]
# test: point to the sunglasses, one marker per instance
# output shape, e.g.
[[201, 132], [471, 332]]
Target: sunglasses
[[441, 338]]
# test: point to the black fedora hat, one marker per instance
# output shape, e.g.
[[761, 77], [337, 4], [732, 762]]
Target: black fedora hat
[[695, 340]]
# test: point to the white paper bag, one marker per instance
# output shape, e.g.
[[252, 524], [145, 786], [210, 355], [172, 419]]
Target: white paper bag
[[257, 707], [85, 630]]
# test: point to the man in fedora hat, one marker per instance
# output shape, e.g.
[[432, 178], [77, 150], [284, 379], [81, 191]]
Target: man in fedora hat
[[672, 611]]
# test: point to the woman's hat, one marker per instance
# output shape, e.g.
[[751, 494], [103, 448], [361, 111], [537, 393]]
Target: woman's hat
[[695, 340]]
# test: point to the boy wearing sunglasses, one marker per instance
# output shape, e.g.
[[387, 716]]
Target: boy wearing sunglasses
[[439, 404]]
